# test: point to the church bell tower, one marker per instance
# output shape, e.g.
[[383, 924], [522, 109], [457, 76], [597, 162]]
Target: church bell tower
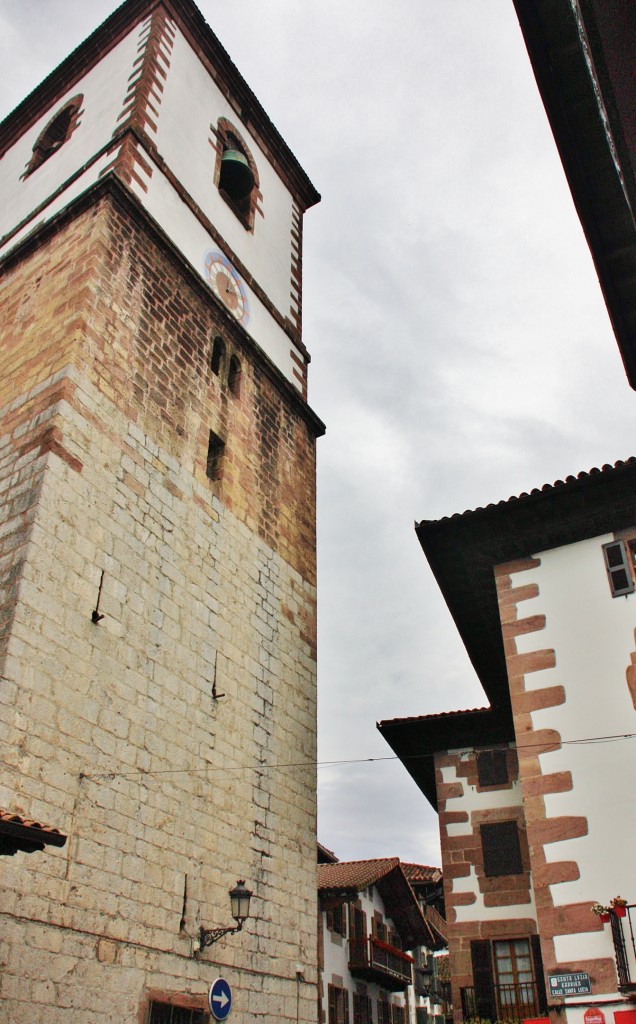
[[157, 538]]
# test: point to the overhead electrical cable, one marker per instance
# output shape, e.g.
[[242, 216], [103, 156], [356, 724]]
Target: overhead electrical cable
[[259, 767]]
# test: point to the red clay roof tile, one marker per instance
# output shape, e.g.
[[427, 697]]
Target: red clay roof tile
[[26, 835]]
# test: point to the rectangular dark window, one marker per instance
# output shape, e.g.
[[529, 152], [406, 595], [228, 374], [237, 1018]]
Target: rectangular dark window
[[357, 923], [398, 1014], [336, 920], [492, 768], [216, 447], [338, 1005], [384, 1010], [501, 849], [166, 1013], [617, 566], [362, 1013]]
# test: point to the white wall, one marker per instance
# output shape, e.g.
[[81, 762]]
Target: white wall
[[80, 185], [470, 802], [593, 637], [337, 956], [104, 88], [190, 103]]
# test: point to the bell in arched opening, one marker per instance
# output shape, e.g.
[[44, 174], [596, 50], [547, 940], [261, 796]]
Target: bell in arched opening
[[236, 178]]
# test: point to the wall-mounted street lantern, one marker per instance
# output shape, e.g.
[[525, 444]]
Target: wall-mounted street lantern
[[240, 904]]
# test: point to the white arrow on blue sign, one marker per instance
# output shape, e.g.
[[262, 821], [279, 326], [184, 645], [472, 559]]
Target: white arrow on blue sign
[[220, 999]]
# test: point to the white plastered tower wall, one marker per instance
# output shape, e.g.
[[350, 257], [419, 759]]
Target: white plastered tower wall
[[174, 175], [152, 736], [30, 199]]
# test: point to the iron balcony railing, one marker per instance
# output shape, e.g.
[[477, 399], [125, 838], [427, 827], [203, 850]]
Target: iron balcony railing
[[625, 948], [513, 1003], [376, 959]]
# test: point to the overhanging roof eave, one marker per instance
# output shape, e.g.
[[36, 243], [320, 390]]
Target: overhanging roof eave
[[587, 130]]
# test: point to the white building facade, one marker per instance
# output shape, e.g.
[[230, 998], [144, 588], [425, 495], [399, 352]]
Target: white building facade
[[375, 946], [534, 793]]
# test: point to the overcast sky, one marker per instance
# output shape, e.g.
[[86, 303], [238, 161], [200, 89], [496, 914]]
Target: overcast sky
[[461, 351]]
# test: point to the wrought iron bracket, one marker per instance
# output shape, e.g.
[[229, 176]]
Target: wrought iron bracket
[[208, 936]]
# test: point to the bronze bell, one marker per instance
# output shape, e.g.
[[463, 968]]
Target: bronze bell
[[236, 175]]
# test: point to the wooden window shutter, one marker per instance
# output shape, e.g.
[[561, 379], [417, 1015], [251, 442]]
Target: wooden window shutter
[[340, 921], [617, 566], [483, 981], [333, 1019], [357, 923], [501, 849], [345, 1005], [384, 1010], [539, 976], [362, 1008], [492, 767]]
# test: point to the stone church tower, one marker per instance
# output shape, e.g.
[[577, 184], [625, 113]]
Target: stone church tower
[[157, 538]]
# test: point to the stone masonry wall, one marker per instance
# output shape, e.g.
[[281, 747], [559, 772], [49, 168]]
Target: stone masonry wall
[[151, 737]]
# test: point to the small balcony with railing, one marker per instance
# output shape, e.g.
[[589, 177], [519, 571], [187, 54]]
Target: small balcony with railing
[[513, 1002], [375, 960], [623, 923]]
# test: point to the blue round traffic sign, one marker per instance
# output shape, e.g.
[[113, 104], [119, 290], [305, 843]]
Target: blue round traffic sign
[[220, 999]]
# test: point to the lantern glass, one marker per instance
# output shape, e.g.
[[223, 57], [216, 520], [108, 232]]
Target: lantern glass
[[240, 901]]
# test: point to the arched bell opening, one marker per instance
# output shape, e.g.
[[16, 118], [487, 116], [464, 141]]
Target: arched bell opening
[[236, 173], [237, 179], [53, 136]]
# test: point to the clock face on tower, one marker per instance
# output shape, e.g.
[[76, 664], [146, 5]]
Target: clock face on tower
[[227, 285]]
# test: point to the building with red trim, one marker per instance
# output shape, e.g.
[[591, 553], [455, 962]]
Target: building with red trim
[[379, 925], [533, 792]]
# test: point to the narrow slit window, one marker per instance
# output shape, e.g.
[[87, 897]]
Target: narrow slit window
[[234, 376], [218, 356], [216, 449]]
